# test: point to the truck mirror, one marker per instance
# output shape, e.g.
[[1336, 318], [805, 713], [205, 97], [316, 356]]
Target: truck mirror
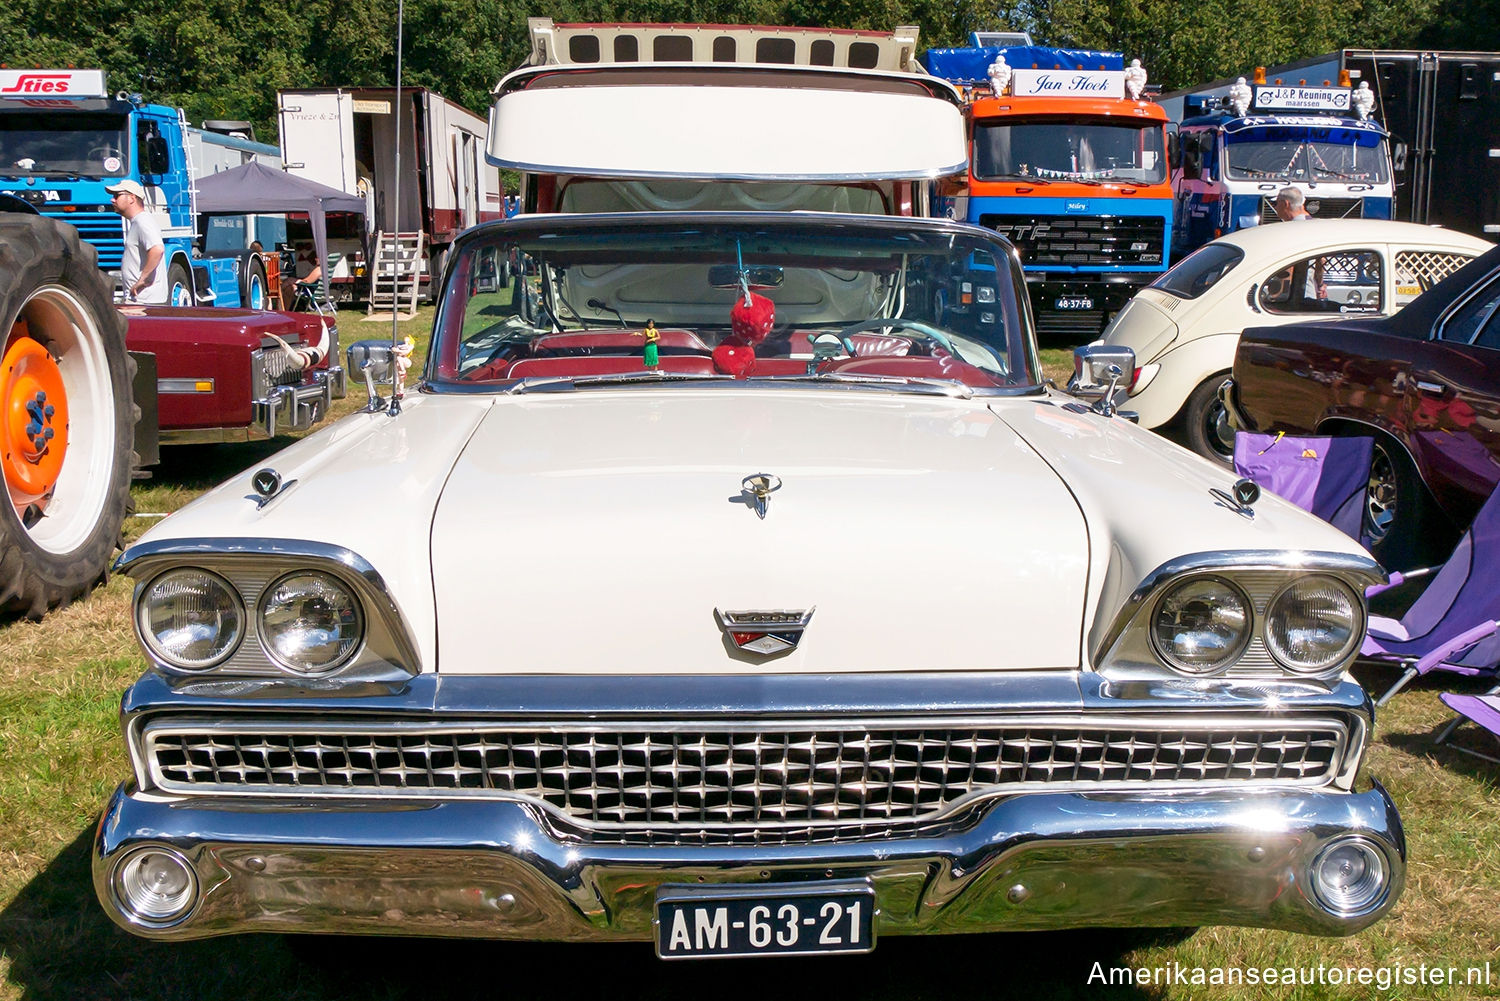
[[157, 159], [1174, 151]]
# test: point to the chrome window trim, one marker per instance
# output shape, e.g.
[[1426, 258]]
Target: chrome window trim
[[1342, 761], [387, 650], [1479, 288], [1358, 572]]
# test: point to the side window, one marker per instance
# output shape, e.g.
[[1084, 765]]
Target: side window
[[1475, 321], [1416, 271], [1344, 281]]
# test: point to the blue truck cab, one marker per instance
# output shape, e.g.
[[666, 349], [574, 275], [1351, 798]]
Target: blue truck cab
[[1068, 160], [1235, 150], [64, 139]]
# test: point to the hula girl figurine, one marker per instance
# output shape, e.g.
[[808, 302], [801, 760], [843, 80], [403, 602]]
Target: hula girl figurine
[[652, 336]]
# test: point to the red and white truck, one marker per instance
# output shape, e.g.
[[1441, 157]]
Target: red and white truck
[[345, 137]]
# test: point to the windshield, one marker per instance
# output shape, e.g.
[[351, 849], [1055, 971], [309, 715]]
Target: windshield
[[1103, 149], [698, 297], [76, 144], [1304, 154]]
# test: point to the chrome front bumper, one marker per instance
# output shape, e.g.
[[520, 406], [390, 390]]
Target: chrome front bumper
[[500, 870], [297, 408]]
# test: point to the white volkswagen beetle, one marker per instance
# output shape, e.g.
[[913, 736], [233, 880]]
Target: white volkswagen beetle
[[720, 589], [1185, 325]]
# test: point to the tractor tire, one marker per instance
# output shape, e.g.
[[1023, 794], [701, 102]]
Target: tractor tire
[[67, 419]]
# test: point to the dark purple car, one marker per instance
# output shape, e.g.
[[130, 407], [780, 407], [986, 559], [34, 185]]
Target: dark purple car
[[1424, 383]]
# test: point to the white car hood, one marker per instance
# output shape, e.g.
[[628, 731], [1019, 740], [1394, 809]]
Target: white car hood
[[598, 532]]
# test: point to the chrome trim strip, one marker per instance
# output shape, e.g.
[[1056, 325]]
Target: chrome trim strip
[[1357, 571]]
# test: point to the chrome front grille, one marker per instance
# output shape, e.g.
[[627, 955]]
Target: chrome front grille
[[735, 777], [271, 367]]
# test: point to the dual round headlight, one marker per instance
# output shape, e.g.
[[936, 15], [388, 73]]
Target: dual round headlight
[[308, 622], [1203, 625]]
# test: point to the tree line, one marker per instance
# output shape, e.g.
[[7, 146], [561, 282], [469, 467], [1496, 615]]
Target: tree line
[[225, 59]]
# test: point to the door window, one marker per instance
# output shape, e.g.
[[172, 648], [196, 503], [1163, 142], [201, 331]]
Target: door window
[[1475, 321], [1343, 281]]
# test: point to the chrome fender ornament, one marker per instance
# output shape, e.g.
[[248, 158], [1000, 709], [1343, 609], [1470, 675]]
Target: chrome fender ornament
[[759, 488], [765, 632]]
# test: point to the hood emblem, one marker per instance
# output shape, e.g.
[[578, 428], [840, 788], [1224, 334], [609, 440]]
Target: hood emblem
[[759, 489], [766, 633]]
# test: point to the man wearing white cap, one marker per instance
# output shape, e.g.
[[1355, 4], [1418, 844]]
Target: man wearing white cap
[[142, 270]]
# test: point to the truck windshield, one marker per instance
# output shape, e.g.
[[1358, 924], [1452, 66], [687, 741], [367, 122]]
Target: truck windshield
[[1308, 155], [1101, 149], [76, 144]]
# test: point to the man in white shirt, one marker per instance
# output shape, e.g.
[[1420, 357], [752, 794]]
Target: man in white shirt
[[143, 270]]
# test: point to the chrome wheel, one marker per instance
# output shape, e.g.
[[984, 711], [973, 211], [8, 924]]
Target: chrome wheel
[[1382, 496]]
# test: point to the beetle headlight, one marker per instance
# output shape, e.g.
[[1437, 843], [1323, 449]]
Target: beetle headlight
[[1313, 624], [1201, 626], [310, 622], [191, 619]]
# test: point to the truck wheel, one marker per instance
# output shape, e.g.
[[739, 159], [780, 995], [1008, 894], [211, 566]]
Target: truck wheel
[[179, 285], [67, 420], [254, 294], [1207, 422]]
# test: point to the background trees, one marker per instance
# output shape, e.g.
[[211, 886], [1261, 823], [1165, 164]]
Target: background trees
[[226, 58]]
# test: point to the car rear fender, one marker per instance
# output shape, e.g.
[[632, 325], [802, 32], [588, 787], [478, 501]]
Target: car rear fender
[[1183, 369]]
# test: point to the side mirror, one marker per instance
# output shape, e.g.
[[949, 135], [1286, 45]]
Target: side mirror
[[1102, 373], [158, 159], [1174, 150], [375, 362]]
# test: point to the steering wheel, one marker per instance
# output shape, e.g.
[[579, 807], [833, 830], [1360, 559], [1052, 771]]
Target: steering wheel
[[915, 326], [105, 151]]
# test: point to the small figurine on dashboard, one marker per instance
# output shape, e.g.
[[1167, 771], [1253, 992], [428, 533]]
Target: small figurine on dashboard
[[652, 336]]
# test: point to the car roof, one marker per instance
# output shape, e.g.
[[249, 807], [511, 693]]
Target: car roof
[[1280, 238]]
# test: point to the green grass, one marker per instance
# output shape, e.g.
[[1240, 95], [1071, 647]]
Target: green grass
[[61, 755]]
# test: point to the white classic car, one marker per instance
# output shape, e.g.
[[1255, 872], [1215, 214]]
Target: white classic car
[[714, 590], [1184, 327]]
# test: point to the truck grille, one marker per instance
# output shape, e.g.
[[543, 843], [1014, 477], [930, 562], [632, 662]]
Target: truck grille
[[1318, 208], [1107, 241], [103, 230], [772, 776]]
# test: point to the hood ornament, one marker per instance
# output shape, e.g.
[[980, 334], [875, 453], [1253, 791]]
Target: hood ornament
[[765, 632], [759, 489]]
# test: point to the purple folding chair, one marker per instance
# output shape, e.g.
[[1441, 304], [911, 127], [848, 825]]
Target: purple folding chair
[[1481, 709], [1455, 624], [1327, 476]]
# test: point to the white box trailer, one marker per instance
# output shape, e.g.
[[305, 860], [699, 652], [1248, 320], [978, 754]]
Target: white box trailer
[[345, 137]]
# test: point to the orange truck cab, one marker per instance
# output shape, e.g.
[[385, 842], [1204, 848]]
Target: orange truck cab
[[1068, 159]]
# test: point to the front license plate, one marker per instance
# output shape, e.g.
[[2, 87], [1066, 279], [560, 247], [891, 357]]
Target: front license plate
[[1074, 302], [698, 922]]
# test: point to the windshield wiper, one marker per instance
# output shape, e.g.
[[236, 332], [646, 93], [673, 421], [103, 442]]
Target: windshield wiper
[[939, 387], [547, 384], [1016, 177]]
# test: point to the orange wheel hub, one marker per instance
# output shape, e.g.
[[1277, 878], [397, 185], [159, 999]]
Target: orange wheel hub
[[34, 421]]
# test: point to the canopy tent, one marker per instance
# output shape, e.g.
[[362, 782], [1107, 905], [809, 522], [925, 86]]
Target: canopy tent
[[256, 188]]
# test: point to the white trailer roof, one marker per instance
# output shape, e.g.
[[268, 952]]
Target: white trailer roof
[[727, 122]]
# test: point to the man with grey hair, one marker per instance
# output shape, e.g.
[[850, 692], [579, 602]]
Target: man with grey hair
[[1291, 204]]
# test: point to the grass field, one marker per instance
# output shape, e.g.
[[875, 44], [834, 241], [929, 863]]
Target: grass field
[[61, 755]]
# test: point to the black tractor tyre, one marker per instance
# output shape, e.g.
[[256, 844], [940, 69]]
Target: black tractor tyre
[[178, 277], [57, 544], [1206, 424]]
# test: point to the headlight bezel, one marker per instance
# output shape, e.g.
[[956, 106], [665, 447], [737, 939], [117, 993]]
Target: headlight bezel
[[146, 636], [387, 652], [262, 604]]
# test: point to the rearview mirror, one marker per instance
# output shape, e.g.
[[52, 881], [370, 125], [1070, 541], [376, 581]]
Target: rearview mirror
[[157, 159], [1102, 373], [760, 277]]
